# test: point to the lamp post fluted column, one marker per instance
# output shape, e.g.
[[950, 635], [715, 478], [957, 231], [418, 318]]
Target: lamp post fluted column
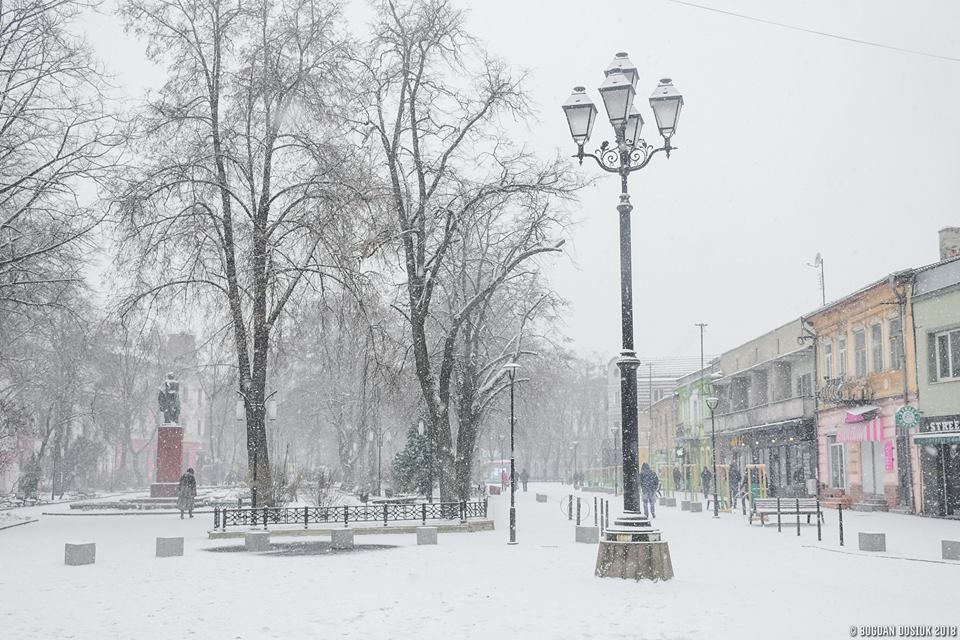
[[628, 362], [511, 369]]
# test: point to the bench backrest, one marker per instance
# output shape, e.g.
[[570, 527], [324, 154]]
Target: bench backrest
[[786, 504]]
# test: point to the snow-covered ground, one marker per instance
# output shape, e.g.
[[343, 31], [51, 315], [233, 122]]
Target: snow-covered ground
[[733, 581]]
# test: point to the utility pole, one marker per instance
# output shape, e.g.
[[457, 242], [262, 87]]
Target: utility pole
[[702, 326]]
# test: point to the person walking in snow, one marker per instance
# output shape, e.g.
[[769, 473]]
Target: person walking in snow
[[705, 477], [677, 479], [186, 493], [735, 479], [649, 484], [524, 478]]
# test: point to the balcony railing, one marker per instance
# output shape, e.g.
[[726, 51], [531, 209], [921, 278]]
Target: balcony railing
[[777, 411]]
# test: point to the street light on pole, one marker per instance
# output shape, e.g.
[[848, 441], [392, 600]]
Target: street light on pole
[[511, 369], [628, 154], [712, 402]]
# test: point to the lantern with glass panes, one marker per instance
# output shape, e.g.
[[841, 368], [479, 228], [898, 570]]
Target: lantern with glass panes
[[629, 152]]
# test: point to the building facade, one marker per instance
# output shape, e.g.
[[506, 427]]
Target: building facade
[[766, 412], [866, 365], [936, 326]]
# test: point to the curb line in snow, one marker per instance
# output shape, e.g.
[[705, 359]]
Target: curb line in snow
[[17, 524], [875, 555]]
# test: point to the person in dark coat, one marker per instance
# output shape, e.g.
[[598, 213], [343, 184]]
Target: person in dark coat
[[705, 477], [649, 485], [524, 478], [186, 493], [735, 479], [677, 479]]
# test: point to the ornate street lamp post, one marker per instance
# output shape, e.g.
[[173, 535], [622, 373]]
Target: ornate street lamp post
[[511, 369], [712, 403], [629, 153]]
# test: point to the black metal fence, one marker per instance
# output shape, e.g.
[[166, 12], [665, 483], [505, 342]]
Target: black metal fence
[[224, 517]]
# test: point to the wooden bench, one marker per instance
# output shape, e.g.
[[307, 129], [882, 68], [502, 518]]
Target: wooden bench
[[763, 507]]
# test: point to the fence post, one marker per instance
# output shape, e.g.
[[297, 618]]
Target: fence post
[[578, 511], [346, 516], [840, 518], [265, 518], [601, 514], [798, 516], [384, 514], [463, 511], [423, 513], [743, 501], [485, 499], [778, 516], [594, 510], [819, 515], [216, 518], [306, 517], [570, 507], [608, 514]]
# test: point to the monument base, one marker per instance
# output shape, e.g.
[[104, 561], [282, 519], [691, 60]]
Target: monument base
[[632, 549], [164, 489]]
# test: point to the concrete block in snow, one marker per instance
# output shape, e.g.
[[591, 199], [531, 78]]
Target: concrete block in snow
[[426, 535], [78, 554], [169, 547], [256, 540]]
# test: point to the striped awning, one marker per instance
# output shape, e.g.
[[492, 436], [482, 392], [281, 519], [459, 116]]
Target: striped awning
[[871, 431]]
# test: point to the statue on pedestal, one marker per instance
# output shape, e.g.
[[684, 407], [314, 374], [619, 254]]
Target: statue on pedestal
[[169, 399]]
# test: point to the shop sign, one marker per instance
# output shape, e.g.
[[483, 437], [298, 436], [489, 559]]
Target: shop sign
[[940, 424], [888, 454], [907, 417]]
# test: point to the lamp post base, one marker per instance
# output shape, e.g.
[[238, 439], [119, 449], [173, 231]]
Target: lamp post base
[[632, 549]]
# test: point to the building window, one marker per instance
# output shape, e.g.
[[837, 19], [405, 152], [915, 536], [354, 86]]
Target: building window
[[838, 462], [827, 359], [896, 346], [842, 356], [948, 355], [860, 353], [876, 347], [805, 385]]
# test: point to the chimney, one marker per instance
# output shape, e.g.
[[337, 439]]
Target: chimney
[[949, 243]]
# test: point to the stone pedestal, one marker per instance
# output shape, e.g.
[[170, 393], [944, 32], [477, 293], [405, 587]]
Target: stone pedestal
[[950, 549], [541, 497], [426, 535], [256, 540], [171, 547], [79, 554], [169, 458], [696, 507], [588, 535], [668, 502], [632, 549], [685, 505], [343, 538], [873, 541]]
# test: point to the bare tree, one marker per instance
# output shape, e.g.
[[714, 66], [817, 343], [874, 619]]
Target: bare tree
[[57, 140], [434, 101], [240, 200]]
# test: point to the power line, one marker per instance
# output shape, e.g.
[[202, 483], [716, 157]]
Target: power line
[[815, 32]]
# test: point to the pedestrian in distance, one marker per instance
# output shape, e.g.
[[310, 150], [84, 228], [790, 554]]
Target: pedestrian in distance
[[677, 479], [649, 485], [735, 479], [705, 477], [186, 493], [524, 478]]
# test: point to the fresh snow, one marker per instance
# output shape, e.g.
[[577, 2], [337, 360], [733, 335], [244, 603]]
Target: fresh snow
[[732, 581]]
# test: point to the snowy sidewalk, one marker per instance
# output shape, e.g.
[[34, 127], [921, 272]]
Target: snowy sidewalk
[[733, 581]]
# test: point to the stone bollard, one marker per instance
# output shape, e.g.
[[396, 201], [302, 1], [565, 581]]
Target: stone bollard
[[256, 540], [950, 549], [669, 502], [695, 507], [426, 535], [81, 553], [541, 497], [685, 505], [873, 541], [343, 538], [588, 535], [169, 547]]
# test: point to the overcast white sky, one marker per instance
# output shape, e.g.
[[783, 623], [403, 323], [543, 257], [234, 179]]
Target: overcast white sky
[[789, 143]]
